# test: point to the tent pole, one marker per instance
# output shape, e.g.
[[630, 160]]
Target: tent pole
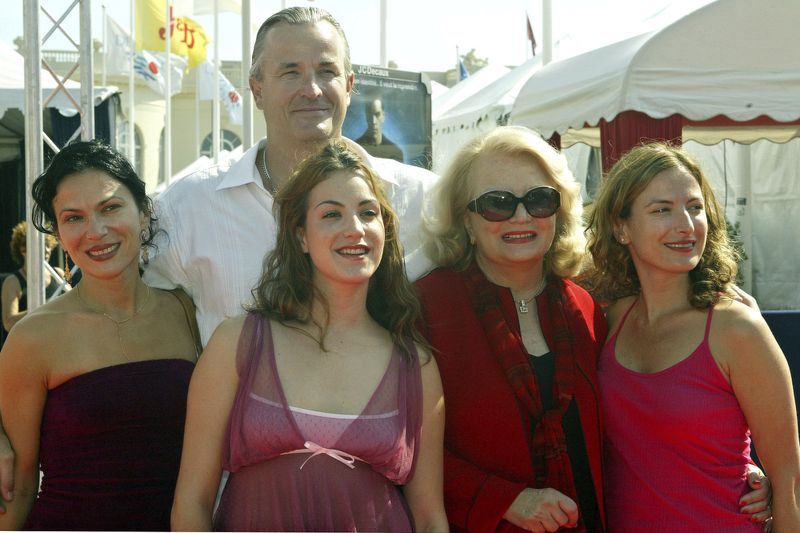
[[34, 156], [744, 214]]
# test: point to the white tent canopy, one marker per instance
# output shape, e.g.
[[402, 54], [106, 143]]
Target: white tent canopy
[[736, 58], [478, 113], [464, 89]]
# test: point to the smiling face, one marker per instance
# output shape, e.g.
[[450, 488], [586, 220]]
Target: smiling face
[[344, 232], [99, 223], [304, 89], [667, 227], [522, 241]]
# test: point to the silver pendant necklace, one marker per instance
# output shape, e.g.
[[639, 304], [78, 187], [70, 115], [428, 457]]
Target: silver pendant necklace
[[116, 322], [269, 184], [522, 303]]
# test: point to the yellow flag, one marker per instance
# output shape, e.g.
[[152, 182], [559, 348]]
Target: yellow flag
[[187, 37]]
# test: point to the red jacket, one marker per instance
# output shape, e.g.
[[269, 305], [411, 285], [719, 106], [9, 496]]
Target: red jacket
[[487, 455]]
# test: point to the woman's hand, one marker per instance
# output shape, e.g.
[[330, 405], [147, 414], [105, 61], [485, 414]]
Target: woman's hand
[[541, 510], [757, 501]]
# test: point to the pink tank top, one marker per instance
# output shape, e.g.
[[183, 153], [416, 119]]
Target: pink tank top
[[676, 445]]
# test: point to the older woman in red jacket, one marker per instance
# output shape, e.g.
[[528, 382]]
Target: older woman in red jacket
[[515, 339]]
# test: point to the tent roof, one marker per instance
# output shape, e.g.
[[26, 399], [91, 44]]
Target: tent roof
[[735, 58], [465, 88], [499, 94], [12, 85]]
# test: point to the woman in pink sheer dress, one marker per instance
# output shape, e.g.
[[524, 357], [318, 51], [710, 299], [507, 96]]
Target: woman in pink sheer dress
[[320, 402]]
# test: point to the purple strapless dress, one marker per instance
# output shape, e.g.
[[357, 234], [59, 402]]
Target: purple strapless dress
[[110, 448]]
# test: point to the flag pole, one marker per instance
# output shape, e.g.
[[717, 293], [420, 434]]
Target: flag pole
[[168, 98], [547, 31], [131, 101], [215, 99], [103, 78], [383, 15], [247, 104]]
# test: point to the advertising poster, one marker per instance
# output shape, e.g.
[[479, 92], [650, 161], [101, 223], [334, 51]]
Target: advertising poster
[[390, 114]]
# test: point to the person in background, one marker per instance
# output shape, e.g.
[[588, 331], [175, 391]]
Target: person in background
[[320, 402], [15, 286], [517, 343], [686, 373], [220, 220], [373, 140], [93, 384]]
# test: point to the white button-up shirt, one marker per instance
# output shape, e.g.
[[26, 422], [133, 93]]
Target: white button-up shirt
[[218, 226]]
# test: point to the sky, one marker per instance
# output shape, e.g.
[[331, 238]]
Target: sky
[[422, 35]]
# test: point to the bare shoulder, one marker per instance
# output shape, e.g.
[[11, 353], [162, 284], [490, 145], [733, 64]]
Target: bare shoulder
[[11, 283], [740, 334], [35, 339], [737, 321], [617, 310], [227, 333]]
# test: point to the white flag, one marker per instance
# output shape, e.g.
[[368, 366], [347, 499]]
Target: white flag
[[149, 66], [117, 49], [228, 94]]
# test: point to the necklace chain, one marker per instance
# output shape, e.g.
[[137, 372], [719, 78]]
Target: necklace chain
[[269, 183], [522, 303], [116, 322]]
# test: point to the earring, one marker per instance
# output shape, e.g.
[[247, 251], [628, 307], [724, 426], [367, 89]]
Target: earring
[[67, 271], [145, 247]]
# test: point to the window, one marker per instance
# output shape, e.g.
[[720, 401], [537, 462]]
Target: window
[[122, 145], [228, 141]]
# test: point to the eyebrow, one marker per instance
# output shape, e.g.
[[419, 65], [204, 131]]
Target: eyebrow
[[340, 204], [670, 202], [101, 202]]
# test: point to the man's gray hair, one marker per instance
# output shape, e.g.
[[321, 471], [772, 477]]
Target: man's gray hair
[[295, 15]]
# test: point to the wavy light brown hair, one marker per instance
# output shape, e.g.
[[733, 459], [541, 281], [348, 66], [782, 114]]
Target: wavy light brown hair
[[614, 275], [18, 242], [446, 240], [286, 289]]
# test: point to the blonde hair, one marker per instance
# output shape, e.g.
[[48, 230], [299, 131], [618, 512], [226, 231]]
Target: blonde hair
[[18, 242], [446, 240], [614, 274]]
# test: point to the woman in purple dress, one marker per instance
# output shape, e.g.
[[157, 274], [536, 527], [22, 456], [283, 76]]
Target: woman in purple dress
[[93, 384], [320, 402]]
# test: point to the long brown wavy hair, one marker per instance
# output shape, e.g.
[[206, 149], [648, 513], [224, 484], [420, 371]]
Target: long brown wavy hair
[[286, 291], [614, 275]]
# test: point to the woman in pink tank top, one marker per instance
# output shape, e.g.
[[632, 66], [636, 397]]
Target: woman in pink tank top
[[685, 374], [321, 402]]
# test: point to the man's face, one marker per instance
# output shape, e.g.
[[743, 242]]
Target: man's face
[[375, 118], [304, 91]]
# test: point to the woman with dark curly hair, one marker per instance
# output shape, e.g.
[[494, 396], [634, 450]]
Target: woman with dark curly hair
[[93, 384], [321, 402], [686, 374]]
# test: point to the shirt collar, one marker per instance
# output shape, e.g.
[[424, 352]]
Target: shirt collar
[[244, 171]]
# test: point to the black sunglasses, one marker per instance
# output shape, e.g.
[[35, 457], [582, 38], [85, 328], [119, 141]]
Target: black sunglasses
[[496, 206]]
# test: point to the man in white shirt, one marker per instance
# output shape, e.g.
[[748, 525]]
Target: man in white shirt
[[218, 223]]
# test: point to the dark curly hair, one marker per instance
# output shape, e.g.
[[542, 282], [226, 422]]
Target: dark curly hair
[[614, 275], [79, 157], [285, 291]]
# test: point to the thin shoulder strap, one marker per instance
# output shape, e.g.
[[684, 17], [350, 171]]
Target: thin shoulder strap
[[191, 319], [624, 317], [708, 323]]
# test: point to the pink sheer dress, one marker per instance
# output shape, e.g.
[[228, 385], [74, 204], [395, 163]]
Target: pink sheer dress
[[295, 469]]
